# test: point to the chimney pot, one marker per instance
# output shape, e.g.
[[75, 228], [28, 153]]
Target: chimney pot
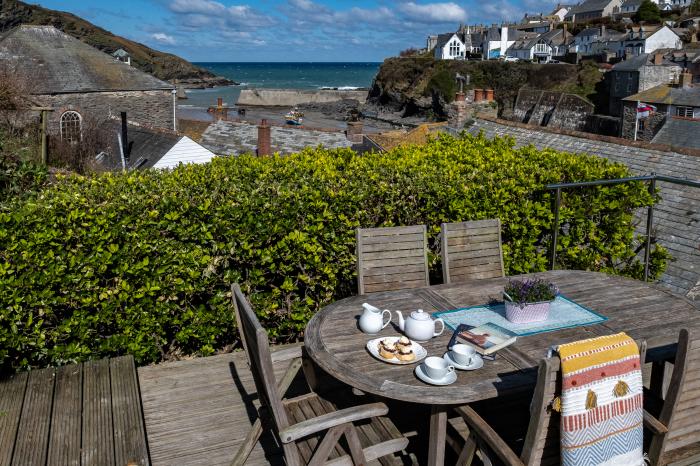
[[264, 138], [354, 131], [658, 58]]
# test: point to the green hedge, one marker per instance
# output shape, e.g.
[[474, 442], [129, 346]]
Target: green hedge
[[141, 262]]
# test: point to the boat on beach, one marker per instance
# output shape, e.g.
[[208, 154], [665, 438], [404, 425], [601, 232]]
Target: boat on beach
[[294, 117]]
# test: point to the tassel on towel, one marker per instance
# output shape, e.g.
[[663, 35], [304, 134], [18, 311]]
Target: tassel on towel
[[591, 400], [621, 389], [556, 404]]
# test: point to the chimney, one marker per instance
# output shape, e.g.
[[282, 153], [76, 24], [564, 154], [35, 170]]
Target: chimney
[[686, 79], [219, 102], [126, 147], [354, 132], [602, 31], [658, 58], [264, 139]]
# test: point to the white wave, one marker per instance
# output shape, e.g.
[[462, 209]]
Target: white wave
[[339, 88]]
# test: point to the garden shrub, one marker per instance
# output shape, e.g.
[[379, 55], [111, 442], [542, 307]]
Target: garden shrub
[[141, 262]]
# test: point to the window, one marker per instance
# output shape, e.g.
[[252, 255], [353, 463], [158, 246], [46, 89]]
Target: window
[[71, 130], [454, 48], [684, 112], [541, 48]]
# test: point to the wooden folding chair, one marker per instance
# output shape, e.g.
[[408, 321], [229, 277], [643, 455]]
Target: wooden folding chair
[[392, 258], [309, 428], [471, 250]]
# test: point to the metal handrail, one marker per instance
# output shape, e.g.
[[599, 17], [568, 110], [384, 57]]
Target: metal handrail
[[652, 179]]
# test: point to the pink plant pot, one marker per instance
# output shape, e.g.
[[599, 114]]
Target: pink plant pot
[[531, 312]]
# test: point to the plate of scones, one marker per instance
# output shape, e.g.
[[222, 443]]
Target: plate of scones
[[396, 350]]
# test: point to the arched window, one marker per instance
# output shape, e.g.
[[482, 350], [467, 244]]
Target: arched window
[[71, 126]]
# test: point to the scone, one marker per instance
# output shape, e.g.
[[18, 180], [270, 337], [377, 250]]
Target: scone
[[405, 353], [403, 343], [387, 349]]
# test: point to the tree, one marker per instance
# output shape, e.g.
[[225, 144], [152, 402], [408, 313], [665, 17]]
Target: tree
[[648, 12], [695, 6]]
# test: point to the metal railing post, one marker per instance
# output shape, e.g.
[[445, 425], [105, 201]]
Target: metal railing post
[[650, 221], [555, 229]]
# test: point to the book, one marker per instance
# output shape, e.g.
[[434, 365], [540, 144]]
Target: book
[[486, 339]]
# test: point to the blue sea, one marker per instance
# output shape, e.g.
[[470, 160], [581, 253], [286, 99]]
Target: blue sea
[[281, 76]]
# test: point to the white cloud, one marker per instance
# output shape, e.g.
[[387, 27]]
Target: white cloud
[[208, 13], [433, 12], [163, 38]]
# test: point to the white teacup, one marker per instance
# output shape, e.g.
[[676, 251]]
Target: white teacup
[[463, 354], [436, 368]]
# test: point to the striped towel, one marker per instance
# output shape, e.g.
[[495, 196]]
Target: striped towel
[[601, 402]]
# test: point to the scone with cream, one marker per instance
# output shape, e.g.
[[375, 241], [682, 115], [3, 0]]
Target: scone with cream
[[387, 349], [405, 353]]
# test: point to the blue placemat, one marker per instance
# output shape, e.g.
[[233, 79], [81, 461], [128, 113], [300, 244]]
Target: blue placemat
[[564, 313]]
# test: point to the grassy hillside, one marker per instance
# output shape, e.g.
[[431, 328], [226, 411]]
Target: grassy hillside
[[162, 65]]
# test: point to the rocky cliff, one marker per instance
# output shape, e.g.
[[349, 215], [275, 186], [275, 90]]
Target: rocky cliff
[[423, 86], [161, 65]]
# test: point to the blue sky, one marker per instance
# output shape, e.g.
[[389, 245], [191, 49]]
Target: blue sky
[[289, 30]]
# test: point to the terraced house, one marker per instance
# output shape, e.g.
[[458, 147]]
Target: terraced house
[[81, 83]]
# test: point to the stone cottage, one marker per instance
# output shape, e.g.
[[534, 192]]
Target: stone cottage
[[82, 83]]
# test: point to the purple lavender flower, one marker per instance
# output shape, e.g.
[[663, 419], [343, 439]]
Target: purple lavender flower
[[532, 290]]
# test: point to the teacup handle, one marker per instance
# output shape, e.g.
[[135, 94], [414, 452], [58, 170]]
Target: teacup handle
[[442, 322], [389, 320]]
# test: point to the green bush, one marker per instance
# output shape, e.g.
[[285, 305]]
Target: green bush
[[141, 262]]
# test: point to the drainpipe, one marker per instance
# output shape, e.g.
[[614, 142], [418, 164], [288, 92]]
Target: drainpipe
[[44, 144], [174, 109]]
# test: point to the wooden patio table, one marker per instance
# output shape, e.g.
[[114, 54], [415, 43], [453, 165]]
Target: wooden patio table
[[334, 342]]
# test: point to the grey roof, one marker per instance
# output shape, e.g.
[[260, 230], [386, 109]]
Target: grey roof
[[679, 132], [589, 6], [637, 62], [669, 95], [443, 39], [58, 63], [629, 3], [147, 145], [676, 217]]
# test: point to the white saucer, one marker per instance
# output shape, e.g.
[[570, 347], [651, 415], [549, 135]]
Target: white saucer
[[477, 362], [450, 378]]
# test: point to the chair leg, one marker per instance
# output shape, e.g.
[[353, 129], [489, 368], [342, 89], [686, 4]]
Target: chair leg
[[466, 456], [323, 450], [356, 453], [248, 444]]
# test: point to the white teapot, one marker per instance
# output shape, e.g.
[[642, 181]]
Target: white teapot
[[419, 326]]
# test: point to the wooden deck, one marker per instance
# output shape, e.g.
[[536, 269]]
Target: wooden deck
[[198, 412], [78, 415]]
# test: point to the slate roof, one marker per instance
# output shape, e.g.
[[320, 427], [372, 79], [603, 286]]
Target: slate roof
[[631, 3], [669, 95], [676, 217], [643, 59], [679, 132], [589, 6], [148, 146], [443, 39], [58, 63]]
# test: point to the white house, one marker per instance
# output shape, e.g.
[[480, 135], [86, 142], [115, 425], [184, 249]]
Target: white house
[[587, 42], [449, 47], [647, 39], [497, 40], [561, 10], [540, 48], [681, 4]]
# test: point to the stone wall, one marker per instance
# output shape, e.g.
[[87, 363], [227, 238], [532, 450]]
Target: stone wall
[[648, 127], [676, 217], [552, 109], [652, 76], [292, 97], [148, 108]]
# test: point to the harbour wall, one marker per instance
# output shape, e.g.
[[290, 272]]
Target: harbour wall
[[292, 97]]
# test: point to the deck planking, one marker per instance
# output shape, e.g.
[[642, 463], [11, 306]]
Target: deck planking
[[75, 415], [198, 412]]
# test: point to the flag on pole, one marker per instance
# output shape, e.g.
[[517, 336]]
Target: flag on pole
[[643, 110]]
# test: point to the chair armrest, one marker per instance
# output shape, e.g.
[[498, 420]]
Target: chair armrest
[[286, 353], [326, 421], [653, 424], [486, 433]]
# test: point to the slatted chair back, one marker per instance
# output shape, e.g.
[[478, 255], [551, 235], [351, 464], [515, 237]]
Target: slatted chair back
[[393, 258], [472, 250], [542, 444], [257, 348], [681, 408]]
